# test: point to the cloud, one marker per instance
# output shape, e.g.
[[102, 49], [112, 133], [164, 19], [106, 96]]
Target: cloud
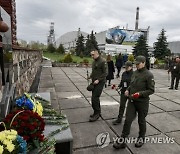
[[34, 17]]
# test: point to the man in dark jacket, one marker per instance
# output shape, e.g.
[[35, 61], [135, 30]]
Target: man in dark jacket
[[175, 73], [98, 76], [119, 64], [124, 84], [142, 85]]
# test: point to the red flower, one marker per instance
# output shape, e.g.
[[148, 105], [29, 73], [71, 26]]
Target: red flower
[[26, 138], [135, 95], [27, 123], [113, 86]]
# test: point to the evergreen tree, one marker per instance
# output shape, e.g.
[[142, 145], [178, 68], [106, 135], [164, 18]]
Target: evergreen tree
[[91, 44], [141, 47], [51, 48], [93, 40], [88, 46], [161, 46], [80, 46], [61, 49]]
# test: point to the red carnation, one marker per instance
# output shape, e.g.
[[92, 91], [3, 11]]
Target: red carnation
[[135, 95], [113, 86]]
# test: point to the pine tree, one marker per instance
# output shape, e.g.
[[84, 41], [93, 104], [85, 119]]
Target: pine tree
[[91, 44], [51, 48], [88, 46], [141, 47], [80, 46], [161, 46], [93, 41], [61, 49]]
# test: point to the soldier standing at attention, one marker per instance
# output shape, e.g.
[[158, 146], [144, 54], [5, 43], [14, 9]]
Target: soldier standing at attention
[[142, 85], [98, 76], [124, 84]]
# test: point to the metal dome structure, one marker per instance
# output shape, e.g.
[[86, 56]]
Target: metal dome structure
[[69, 39]]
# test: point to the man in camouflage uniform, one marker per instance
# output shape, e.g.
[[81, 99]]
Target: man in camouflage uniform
[[142, 85], [98, 76]]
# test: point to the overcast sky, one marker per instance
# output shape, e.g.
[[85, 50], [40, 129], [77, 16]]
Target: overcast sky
[[34, 17]]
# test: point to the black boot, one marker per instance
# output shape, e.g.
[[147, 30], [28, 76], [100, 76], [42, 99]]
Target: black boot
[[117, 121], [94, 117], [119, 144], [140, 142]]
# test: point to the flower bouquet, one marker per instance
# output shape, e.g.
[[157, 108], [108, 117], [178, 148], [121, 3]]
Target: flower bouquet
[[11, 142], [28, 124], [30, 103]]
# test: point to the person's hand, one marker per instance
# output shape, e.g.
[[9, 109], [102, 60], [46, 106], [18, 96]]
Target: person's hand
[[96, 81], [135, 95], [126, 93]]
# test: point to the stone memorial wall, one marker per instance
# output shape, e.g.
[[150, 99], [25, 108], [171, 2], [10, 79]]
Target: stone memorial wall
[[26, 63]]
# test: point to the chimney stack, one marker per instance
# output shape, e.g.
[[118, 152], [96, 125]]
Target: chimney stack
[[137, 18]]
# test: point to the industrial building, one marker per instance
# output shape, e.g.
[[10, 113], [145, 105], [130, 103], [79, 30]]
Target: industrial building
[[174, 47], [69, 39], [111, 41]]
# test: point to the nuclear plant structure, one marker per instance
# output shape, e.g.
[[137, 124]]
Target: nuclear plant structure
[[137, 18], [51, 36], [119, 39]]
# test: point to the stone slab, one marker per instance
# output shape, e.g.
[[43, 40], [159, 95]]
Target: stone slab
[[63, 136], [65, 88], [96, 150], [162, 90], [88, 94], [154, 97], [84, 134], [156, 148], [177, 100], [46, 89], [175, 135], [153, 109], [167, 105], [117, 98], [109, 112], [46, 84], [170, 96], [78, 115], [176, 114], [58, 83], [164, 122], [112, 92], [73, 103], [134, 128], [45, 77], [107, 100], [69, 95]]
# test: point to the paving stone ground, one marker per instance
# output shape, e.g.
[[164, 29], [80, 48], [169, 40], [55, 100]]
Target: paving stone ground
[[67, 86]]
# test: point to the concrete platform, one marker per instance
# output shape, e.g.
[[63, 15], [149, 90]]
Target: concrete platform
[[68, 86]]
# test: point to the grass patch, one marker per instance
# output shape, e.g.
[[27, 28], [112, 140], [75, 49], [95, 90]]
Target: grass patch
[[60, 57]]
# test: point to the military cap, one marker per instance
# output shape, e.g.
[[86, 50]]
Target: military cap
[[128, 63], [140, 59]]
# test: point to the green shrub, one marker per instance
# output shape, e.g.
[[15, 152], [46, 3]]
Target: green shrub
[[156, 62], [67, 58], [131, 58], [81, 55], [85, 61], [60, 60]]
